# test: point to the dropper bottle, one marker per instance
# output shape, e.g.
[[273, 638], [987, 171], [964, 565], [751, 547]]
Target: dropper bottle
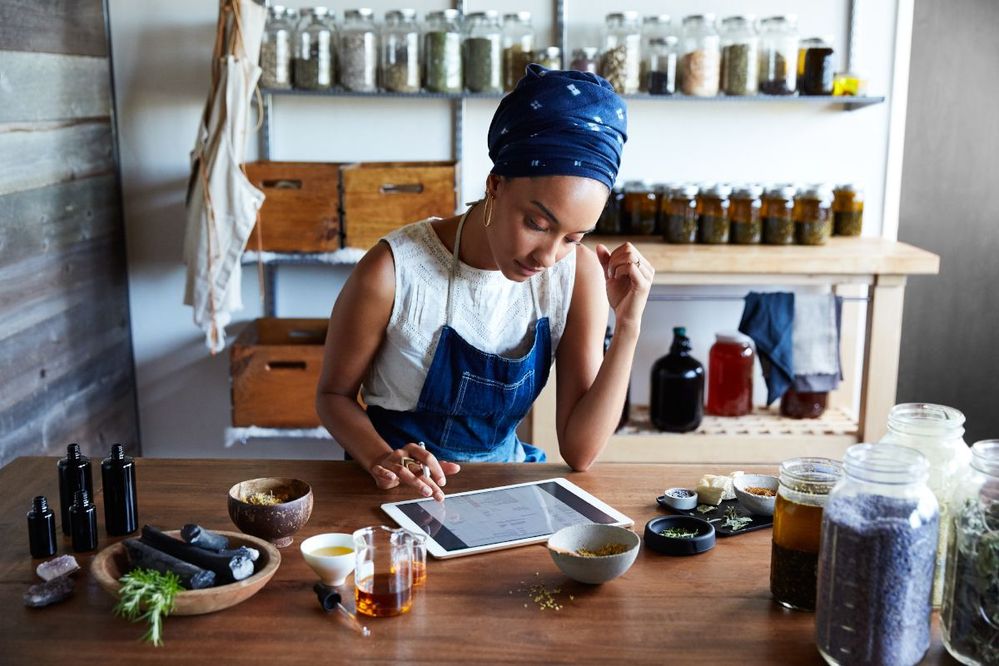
[[118, 477], [83, 522], [74, 475], [41, 529]]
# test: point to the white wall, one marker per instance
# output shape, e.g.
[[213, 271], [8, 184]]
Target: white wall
[[161, 66]]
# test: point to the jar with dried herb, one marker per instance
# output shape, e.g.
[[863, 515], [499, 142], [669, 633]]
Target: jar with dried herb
[[848, 210], [640, 205], [700, 65], [549, 58], [518, 47], [586, 59], [778, 55], [712, 215], [744, 215], [359, 51], [314, 48], [776, 209], [483, 53], [400, 69], [275, 50], [970, 614], [661, 190], [804, 486], [442, 52], [656, 27], [813, 216], [740, 55], [660, 64], [621, 60], [681, 215], [816, 66], [609, 223]]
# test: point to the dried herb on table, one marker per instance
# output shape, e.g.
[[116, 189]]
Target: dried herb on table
[[148, 595], [678, 533], [734, 521]]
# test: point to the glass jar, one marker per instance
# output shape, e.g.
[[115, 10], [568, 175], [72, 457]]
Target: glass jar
[[970, 612], [314, 48], [740, 56], [293, 16], [609, 223], [681, 215], [879, 536], [275, 50], [778, 55], [937, 432], [677, 391], [661, 190], [621, 60], [483, 53], [640, 208], [549, 58], [816, 67], [730, 375], [586, 59], [803, 404], [442, 52], [654, 28], [401, 52], [813, 216], [660, 64], [712, 215], [746, 228], [848, 210], [518, 47], [359, 51], [776, 213], [700, 66], [802, 494]]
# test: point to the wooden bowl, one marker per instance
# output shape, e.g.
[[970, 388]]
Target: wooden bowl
[[277, 522], [111, 564]]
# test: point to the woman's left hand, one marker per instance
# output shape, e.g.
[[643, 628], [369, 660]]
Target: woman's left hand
[[629, 279]]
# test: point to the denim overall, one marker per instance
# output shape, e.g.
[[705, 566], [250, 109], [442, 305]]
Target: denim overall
[[472, 401]]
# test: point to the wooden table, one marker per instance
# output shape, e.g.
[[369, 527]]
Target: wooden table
[[711, 608]]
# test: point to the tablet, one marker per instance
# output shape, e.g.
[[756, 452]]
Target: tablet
[[479, 521]]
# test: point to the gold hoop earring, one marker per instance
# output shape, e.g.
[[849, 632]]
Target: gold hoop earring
[[489, 210]]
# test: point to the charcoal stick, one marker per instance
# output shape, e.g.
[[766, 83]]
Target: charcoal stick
[[202, 538], [144, 556], [227, 568]]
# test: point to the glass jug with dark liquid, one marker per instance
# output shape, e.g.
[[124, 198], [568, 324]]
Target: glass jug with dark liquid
[[677, 395]]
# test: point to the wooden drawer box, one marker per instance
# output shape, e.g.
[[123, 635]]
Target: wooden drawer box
[[381, 196], [274, 371], [301, 212]]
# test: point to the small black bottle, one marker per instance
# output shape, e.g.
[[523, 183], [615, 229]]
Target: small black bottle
[[41, 528], [118, 477], [83, 522], [74, 475], [677, 402]]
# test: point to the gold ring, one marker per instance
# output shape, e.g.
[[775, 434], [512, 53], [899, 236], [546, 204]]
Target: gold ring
[[638, 262]]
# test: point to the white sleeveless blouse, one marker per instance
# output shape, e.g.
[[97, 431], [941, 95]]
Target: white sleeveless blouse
[[490, 312]]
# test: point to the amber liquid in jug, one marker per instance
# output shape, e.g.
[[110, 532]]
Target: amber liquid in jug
[[383, 595]]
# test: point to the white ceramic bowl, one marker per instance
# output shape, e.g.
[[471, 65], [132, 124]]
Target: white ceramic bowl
[[594, 570], [331, 569], [755, 504]]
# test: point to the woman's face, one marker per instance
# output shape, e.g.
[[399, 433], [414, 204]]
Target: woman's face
[[537, 221]]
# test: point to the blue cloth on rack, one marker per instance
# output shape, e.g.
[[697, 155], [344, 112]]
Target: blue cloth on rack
[[559, 123], [769, 320]]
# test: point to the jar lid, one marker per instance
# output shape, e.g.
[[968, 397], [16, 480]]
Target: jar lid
[[623, 17], [685, 190], [738, 19], [521, 17], [635, 185], [405, 14], [790, 19], [848, 188], [657, 19], [362, 13], [720, 190], [734, 338], [695, 18], [821, 192], [747, 191], [446, 14], [320, 12], [663, 187], [782, 190], [278, 10], [551, 52], [588, 52], [488, 14]]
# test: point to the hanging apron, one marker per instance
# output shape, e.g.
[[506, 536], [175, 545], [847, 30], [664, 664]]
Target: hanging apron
[[472, 401]]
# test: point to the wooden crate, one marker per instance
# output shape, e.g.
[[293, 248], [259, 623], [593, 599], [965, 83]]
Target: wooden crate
[[274, 371], [301, 212], [381, 196]]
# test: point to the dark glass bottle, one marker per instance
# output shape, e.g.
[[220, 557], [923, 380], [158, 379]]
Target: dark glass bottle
[[83, 522], [74, 475], [627, 396], [41, 528], [118, 476], [677, 402]]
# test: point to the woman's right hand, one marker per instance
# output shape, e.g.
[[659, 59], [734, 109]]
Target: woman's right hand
[[389, 471]]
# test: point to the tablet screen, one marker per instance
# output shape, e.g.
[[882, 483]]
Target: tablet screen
[[502, 515]]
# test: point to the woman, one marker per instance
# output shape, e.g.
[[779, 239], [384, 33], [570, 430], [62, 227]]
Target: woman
[[452, 325]]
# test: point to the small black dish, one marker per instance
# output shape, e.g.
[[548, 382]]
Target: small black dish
[[704, 541]]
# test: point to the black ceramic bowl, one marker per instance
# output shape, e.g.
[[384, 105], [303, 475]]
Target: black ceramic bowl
[[704, 541]]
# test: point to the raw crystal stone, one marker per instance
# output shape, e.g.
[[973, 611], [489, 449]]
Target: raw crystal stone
[[49, 592], [57, 566]]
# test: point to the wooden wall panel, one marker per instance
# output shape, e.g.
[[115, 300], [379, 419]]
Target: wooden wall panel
[[47, 153], [53, 26], [44, 86]]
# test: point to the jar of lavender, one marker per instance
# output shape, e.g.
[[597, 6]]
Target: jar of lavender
[[876, 559]]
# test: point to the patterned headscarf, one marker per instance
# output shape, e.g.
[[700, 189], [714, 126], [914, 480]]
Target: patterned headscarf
[[559, 123]]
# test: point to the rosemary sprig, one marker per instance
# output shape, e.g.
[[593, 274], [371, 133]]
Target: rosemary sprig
[[148, 595]]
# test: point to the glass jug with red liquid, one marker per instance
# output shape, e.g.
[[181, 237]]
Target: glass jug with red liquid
[[730, 375]]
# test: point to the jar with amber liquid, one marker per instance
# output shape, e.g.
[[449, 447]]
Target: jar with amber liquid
[[712, 215], [848, 210], [813, 216], [802, 493], [776, 214], [680, 224], [746, 228], [641, 206]]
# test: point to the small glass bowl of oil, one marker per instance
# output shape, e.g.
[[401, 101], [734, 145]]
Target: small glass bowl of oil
[[331, 556]]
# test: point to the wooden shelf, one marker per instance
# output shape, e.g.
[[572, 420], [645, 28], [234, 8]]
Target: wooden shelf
[[763, 437]]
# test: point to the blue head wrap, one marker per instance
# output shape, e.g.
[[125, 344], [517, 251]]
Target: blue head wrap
[[559, 123]]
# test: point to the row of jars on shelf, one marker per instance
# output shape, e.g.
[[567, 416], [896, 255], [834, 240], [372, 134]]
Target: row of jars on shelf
[[715, 214]]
